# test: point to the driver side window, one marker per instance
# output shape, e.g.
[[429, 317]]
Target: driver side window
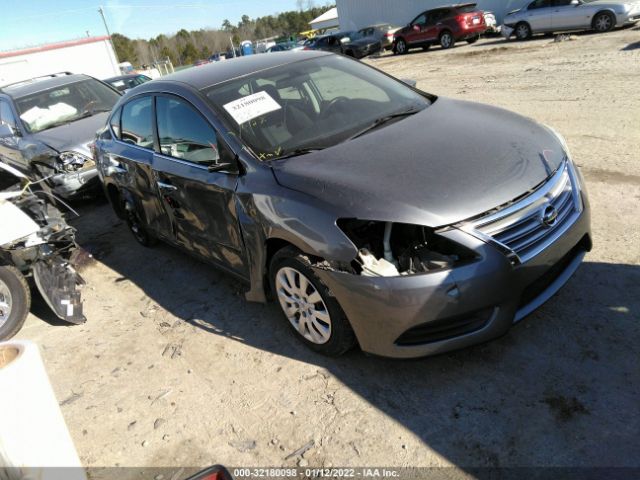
[[6, 115], [420, 20], [184, 134]]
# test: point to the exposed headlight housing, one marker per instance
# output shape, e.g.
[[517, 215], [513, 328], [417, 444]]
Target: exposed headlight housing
[[72, 161], [574, 171], [394, 249]]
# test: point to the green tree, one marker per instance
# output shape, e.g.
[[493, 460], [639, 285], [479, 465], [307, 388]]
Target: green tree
[[189, 53], [124, 48]]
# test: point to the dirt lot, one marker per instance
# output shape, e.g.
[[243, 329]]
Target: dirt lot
[[173, 367]]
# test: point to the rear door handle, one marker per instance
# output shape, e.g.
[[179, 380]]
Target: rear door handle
[[167, 187]]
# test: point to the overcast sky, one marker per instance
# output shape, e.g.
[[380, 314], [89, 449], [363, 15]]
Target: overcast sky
[[26, 23]]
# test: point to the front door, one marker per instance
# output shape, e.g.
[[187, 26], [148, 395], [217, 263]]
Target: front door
[[9, 145], [199, 202], [539, 15], [417, 33], [568, 16]]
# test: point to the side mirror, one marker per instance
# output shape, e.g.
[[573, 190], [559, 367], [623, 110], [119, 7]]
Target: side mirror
[[345, 40], [6, 131], [217, 472]]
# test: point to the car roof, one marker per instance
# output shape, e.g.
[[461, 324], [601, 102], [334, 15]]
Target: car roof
[[214, 73], [35, 85]]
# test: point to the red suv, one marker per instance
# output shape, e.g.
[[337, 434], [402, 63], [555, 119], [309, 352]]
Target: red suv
[[445, 25]]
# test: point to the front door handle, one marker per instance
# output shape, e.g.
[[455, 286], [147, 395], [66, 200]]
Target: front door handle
[[167, 187]]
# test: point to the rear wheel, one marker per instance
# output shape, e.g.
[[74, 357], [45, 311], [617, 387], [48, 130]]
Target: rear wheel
[[446, 39], [523, 31], [308, 305], [15, 301], [603, 22], [401, 47], [137, 227]]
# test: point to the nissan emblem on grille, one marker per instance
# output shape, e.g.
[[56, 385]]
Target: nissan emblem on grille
[[549, 216]]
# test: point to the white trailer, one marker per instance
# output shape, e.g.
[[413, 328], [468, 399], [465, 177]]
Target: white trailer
[[92, 55]]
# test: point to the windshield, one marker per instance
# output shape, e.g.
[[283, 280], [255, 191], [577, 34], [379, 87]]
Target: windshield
[[127, 83], [65, 103], [310, 104]]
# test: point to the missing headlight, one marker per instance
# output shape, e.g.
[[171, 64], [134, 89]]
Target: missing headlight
[[410, 249], [73, 161]]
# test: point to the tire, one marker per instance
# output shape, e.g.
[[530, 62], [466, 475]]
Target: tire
[[349, 53], [137, 227], [447, 40], [473, 40], [319, 324], [400, 47], [522, 31], [604, 22], [15, 301]]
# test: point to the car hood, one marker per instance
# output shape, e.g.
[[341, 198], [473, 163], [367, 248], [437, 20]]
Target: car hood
[[452, 161], [75, 136]]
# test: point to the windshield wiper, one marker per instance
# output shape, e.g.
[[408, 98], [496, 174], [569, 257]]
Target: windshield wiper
[[382, 120], [299, 151]]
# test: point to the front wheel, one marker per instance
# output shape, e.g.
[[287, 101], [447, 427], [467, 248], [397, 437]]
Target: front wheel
[[446, 40], [603, 22], [523, 31], [15, 301], [401, 47], [308, 305]]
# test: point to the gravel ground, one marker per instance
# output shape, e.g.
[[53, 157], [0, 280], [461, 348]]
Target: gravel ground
[[173, 367]]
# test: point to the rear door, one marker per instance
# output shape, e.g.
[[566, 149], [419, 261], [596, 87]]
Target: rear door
[[539, 14], [199, 202], [130, 162], [567, 16]]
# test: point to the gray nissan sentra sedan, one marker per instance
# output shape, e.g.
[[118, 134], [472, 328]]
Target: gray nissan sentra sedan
[[372, 212]]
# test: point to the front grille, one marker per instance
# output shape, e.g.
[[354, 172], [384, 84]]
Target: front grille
[[445, 328], [527, 227]]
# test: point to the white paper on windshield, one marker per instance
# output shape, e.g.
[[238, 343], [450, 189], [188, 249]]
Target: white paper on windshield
[[252, 106]]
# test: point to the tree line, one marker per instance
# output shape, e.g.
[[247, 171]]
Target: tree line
[[185, 47]]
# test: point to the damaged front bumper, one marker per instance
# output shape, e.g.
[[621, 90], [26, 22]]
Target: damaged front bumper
[[73, 184], [425, 314]]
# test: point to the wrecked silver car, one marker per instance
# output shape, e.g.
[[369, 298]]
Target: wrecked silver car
[[370, 210], [47, 125], [37, 243]]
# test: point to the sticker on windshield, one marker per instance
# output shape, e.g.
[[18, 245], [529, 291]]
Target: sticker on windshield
[[252, 106]]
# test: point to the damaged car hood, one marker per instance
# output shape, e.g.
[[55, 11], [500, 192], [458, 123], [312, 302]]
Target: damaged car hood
[[75, 136], [431, 168]]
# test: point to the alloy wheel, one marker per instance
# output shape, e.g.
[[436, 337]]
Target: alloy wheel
[[603, 23], [401, 47], [522, 32], [446, 40], [303, 306], [5, 303]]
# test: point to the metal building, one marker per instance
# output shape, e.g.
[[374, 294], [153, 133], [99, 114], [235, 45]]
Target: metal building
[[355, 14], [92, 55]]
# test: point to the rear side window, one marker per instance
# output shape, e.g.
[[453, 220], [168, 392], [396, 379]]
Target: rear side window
[[539, 4], [184, 133], [137, 126]]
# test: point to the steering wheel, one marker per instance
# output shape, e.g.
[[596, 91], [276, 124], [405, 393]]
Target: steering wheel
[[332, 105], [89, 106]]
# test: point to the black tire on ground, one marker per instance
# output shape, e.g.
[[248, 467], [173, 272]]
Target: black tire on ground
[[446, 39], [137, 227], [603, 22], [522, 31], [14, 281], [342, 337], [473, 39], [400, 47]]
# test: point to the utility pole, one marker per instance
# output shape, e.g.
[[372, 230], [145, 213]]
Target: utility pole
[[106, 27]]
